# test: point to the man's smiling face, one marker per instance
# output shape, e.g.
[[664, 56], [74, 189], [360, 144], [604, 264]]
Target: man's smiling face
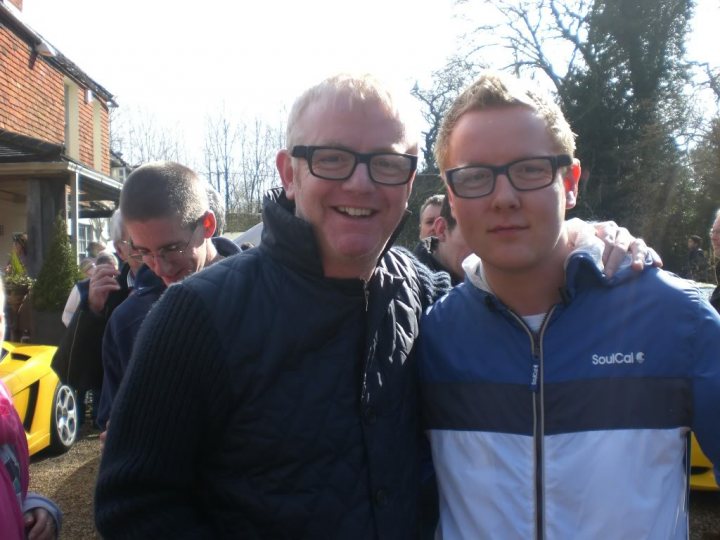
[[354, 218]]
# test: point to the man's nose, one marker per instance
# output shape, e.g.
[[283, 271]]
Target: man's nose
[[504, 193], [360, 178]]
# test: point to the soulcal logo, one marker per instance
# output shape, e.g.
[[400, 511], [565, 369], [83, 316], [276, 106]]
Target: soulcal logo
[[618, 358]]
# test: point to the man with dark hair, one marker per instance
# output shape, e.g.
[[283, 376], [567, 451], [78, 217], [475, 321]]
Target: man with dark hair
[[429, 211], [171, 224], [697, 263], [446, 250]]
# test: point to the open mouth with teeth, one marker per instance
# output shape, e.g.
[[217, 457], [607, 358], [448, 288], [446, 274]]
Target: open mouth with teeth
[[354, 212]]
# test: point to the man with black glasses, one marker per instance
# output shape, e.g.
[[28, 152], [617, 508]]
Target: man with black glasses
[[171, 223], [558, 401], [272, 396]]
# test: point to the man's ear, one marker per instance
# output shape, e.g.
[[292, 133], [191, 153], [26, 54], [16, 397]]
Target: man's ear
[[440, 228], [209, 224], [283, 162], [571, 181]]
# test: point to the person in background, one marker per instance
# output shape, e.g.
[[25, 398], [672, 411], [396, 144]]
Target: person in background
[[558, 402], [429, 211], [447, 249], [78, 359], [82, 287], [697, 263], [19, 246], [23, 514], [715, 243], [169, 206], [94, 248]]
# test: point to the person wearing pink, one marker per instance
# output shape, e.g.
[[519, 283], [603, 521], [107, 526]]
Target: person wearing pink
[[22, 514]]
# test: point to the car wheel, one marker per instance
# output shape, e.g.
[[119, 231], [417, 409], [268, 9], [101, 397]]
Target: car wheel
[[64, 420]]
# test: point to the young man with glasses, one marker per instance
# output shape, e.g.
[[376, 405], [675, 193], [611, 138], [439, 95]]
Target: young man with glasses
[[171, 224], [274, 395], [558, 402]]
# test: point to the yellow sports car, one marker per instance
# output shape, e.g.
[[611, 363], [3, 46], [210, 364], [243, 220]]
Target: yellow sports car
[[47, 408], [702, 477]]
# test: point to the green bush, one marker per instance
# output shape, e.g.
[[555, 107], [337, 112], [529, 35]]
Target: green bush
[[58, 273]]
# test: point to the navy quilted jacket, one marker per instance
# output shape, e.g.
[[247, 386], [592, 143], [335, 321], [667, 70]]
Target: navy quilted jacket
[[267, 401]]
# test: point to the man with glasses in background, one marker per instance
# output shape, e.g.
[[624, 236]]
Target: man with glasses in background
[[171, 224]]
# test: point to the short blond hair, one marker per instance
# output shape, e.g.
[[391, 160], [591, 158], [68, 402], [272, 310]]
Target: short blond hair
[[356, 89], [496, 90]]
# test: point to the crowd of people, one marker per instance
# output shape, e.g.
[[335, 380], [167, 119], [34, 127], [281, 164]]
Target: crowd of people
[[516, 376]]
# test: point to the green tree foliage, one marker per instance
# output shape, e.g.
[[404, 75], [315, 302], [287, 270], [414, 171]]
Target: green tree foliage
[[626, 103], [705, 160], [447, 83], [58, 273]]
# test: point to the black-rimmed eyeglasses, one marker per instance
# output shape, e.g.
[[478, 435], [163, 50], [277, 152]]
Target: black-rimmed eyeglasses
[[525, 174], [329, 163], [169, 254]]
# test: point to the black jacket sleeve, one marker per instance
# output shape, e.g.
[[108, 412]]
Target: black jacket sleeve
[[166, 415]]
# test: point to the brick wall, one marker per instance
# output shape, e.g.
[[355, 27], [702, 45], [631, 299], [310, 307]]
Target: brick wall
[[32, 101]]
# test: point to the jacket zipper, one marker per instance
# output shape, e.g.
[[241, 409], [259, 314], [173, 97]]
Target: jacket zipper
[[537, 388]]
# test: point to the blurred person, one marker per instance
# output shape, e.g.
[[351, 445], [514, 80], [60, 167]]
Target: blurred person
[[94, 248], [78, 359], [19, 247], [715, 243], [429, 211], [697, 263], [170, 215], [81, 288], [265, 392], [557, 401], [23, 514], [447, 249]]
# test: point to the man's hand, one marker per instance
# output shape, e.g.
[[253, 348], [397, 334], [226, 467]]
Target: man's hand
[[618, 242], [102, 283], [39, 524]]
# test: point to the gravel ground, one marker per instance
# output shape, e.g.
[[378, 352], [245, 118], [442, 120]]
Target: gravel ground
[[70, 479]]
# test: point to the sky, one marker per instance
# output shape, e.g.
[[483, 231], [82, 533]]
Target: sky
[[184, 60]]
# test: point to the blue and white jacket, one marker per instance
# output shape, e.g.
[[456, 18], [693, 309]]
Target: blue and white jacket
[[578, 430]]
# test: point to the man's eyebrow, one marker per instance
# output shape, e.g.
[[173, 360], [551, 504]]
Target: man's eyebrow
[[166, 246]]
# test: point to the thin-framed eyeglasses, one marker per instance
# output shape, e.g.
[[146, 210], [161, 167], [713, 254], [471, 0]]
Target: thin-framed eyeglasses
[[527, 174], [330, 163], [168, 254]]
